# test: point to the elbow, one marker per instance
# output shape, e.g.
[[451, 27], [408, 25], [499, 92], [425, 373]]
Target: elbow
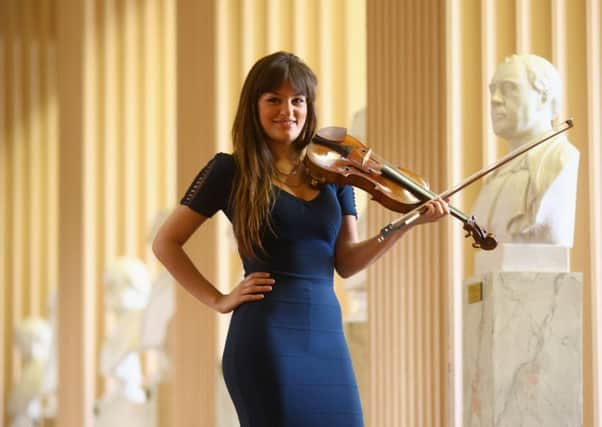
[[165, 246], [343, 271], [344, 274], [343, 266], [158, 247]]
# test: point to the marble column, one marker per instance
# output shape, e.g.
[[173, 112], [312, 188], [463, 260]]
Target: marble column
[[522, 359]]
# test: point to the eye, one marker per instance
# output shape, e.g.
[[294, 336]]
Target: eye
[[272, 100], [299, 100], [509, 88]]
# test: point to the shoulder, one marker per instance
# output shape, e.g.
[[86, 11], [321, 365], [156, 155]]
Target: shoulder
[[346, 196], [224, 162], [558, 154], [220, 169], [557, 158], [211, 188], [340, 189]]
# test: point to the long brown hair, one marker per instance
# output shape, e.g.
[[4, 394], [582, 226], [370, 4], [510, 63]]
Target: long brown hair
[[253, 193]]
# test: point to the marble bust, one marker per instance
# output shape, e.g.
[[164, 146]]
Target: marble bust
[[128, 285], [531, 199], [127, 290]]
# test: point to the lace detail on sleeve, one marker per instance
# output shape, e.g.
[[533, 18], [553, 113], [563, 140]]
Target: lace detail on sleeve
[[198, 183]]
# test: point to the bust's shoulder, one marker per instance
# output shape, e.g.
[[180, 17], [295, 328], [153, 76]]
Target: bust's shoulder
[[562, 151], [557, 155], [559, 158]]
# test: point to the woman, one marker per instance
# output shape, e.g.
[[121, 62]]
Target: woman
[[285, 361]]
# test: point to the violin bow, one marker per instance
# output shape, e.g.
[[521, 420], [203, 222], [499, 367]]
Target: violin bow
[[415, 213]]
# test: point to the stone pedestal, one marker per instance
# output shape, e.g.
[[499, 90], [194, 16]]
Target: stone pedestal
[[522, 349], [520, 257]]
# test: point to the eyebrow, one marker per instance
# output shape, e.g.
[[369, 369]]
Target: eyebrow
[[279, 94]]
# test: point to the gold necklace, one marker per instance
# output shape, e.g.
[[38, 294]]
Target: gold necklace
[[293, 171], [286, 182]]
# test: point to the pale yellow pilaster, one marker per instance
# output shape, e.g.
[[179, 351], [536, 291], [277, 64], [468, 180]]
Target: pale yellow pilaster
[[194, 355], [407, 290], [75, 323]]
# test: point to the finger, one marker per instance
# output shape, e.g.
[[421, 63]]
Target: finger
[[251, 297], [433, 208], [446, 208], [257, 289], [258, 274], [254, 282], [263, 281], [441, 207]]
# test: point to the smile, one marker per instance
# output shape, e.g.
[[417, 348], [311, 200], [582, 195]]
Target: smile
[[286, 124]]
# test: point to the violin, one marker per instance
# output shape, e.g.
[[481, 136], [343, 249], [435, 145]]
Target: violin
[[333, 156]]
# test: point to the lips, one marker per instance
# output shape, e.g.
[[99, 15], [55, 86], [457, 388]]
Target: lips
[[498, 115], [287, 124]]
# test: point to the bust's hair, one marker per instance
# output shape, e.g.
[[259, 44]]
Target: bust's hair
[[543, 78]]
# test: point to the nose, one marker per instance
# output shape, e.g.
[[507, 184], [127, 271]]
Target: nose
[[496, 97], [286, 108]]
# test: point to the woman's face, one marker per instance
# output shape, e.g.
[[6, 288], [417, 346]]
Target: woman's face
[[282, 114]]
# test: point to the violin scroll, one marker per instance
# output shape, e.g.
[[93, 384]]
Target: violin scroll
[[482, 239]]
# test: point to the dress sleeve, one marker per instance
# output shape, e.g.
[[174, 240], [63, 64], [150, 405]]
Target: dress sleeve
[[210, 190], [346, 197]]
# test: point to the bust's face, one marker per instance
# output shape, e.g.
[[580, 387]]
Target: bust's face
[[516, 108]]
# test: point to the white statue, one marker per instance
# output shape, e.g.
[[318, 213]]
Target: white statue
[[26, 403], [532, 198], [140, 310], [128, 287]]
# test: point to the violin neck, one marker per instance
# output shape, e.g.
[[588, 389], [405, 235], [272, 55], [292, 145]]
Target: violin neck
[[420, 192]]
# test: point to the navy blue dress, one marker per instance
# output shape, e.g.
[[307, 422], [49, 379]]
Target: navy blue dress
[[286, 362]]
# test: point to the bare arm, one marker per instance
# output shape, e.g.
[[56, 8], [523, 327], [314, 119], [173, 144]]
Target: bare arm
[[168, 248], [352, 256]]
